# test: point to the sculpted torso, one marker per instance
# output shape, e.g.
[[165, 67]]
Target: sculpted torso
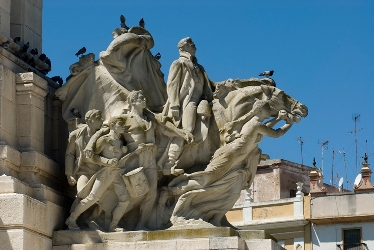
[[139, 131]]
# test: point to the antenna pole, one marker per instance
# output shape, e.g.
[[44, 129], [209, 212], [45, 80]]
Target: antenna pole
[[332, 168], [355, 133], [323, 148], [301, 149]]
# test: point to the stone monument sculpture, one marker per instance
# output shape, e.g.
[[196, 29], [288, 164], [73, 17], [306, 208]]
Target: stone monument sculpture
[[158, 155]]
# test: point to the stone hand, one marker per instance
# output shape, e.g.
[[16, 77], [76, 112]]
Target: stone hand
[[282, 115], [88, 152], [189, 138], [113, 162], [71, 180]]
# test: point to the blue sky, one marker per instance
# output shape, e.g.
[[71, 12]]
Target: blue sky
[[322, 53]]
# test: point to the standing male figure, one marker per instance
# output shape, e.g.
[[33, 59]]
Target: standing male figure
[[187, 85], [109, 150]]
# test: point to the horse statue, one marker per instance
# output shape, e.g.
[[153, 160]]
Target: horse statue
[[239, 111]]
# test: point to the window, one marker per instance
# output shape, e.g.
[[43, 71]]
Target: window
[[352, 239]]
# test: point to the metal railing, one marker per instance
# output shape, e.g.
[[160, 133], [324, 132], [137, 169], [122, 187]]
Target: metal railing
[[353, 246]]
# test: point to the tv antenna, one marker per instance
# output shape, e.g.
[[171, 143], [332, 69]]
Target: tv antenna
[[324, 145], [301, 142], [356, 118], [332, 168], [345, 165]]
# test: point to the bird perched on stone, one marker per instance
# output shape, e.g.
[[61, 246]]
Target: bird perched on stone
[[31, 62], [142, 23], [158, 56], [42, 57], [25, 47], [57, 79], [76, 113], [123, 20], [267, 73], [5, 45], [81, 51], [48, 62], [17, 40], [34, 52]]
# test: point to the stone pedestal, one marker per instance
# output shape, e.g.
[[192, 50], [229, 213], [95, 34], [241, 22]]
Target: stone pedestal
[[181, 239]]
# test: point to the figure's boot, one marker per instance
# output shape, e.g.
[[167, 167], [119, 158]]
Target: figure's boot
[[174, 152], [118, 212], [71, 221], [82, 206]]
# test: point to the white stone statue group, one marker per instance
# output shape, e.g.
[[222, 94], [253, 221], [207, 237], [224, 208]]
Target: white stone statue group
[[149, 155]]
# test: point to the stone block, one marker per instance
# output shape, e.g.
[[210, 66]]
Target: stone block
[[33, 17], [8, 116], [31, 99], [10, 185], [4, 22], [7, 84], [5, 5], [157, 245], [266, 244], [16, 30], [29, 143], [16, 12], [20, 210], [191, 233], [23, 239], [227, 243], [193, 244], [7, 138]]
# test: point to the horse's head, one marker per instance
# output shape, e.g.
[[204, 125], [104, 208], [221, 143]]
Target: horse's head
[[279, 100]]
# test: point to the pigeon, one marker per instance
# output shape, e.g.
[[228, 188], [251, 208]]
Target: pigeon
[[31, 62], [81, 51], [76, 113], [158, 56], [57, 79], [267, 73], [25, 47], [6, 45], [42, 57], [17, 40], [34, 52], [142, 23], [48, 62]]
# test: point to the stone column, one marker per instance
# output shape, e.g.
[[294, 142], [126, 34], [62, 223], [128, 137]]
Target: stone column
[[5, 17], [8, 117], [30, 93], [26, 21]]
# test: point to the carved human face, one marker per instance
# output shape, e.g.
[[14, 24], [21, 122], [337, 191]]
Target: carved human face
[[95, 121], [190, 47], [118, 127], [139, 101]]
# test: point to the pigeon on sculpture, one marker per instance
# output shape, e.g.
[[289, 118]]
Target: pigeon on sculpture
[[76, 113], [142, 23], [42, 57], [25, 47], [34, 52], [17, 40], [31, 62], [158, 56], [267, 73], [48, 62], [57, 79], [123, 20], [81, 51]]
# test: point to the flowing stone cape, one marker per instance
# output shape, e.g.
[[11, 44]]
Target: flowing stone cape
[[126, 65]]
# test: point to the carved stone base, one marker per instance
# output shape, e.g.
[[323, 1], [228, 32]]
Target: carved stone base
[[203, 238]]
